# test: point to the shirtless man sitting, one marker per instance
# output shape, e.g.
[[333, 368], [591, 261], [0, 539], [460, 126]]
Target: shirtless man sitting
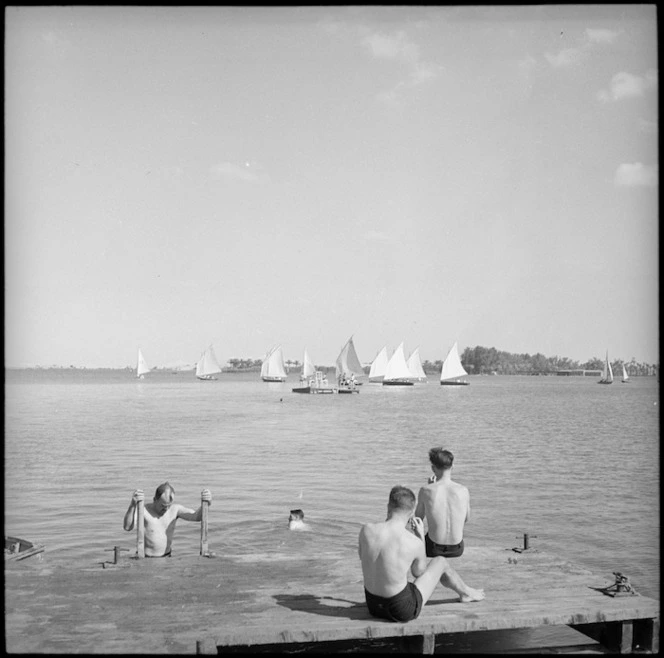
[[390, 550], [160, 516], [446, 506]]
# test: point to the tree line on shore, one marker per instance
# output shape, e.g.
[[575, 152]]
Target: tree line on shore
[[481, 360]]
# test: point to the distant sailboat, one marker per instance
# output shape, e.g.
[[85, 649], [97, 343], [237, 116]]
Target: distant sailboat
[[397, 372], [452, 369], [273, 368], [378, 366], [415, 366], [348, 365], [141, 367], [607, 373], [312, 380], [207, 365], [625, 376]]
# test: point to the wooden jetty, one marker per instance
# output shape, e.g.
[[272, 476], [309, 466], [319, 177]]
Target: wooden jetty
[[300, 601]]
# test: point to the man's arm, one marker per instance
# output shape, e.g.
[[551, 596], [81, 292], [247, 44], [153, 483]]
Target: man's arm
[[189, 514], [467, 506], [130, 514], [419, 564], [420, 509]]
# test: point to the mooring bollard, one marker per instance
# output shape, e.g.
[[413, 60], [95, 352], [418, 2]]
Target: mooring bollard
[[204, 526], [140, 530]]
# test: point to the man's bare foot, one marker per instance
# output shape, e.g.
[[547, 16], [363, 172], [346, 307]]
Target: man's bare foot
[[472, 595]]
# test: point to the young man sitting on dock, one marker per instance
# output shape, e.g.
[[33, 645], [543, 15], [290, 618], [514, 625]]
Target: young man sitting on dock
[[446, 506], [160, 516], [389, 550]]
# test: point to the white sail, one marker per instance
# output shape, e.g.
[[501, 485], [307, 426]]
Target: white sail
[[378, 366], [141, 367], [347, 362], [207, 365], [273, 367], [625, 376], [415, 366], [607, 373], [397, 368], [308, 367], [452, 367]]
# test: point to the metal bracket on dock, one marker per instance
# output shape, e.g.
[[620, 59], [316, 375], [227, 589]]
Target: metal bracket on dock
[[621, 587], [526, 545], [116, 556]]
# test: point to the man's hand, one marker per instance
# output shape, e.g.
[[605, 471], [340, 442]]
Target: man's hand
[[206, 496], [417, 526], [137, 496]]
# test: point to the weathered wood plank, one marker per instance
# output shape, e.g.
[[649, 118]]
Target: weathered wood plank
[[188, 603]]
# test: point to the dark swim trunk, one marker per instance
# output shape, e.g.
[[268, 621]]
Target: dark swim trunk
[[164, 555], [433, 549], [404, 606]]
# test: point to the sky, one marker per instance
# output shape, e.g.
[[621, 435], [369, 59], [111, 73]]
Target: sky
[[177, 177]]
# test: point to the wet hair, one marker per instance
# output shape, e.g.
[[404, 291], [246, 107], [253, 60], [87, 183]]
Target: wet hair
[[442, 459], [162, 488], [297, 513], [401, 498]]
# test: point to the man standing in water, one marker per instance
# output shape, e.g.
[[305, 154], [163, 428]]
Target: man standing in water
[[389, 550], [446, 506], [160, 516]]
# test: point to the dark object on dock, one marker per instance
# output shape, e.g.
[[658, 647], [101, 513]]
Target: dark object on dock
[[622, 587], [526, 544], [20, 549]]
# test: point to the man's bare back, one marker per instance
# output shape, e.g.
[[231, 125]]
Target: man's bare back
[[446, 506], [387, 552]]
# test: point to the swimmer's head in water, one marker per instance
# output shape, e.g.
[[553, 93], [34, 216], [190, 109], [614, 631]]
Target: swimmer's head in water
[[296, 515]]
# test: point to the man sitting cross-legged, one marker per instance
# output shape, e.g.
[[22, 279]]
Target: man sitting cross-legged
[[389, 550]]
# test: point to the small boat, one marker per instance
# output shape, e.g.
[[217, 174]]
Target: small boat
[[347, 368], [625, 376], [20, 549], [316, 385], [141, 367], [378, 366], [452, 369], [397, 372], [208, 365], [308, 373], [273, 368], [415, 366], [607, 373]]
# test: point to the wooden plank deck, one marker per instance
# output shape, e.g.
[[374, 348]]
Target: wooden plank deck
[[189, 604]]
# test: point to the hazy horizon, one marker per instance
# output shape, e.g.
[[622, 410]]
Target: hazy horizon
[[249, 176]]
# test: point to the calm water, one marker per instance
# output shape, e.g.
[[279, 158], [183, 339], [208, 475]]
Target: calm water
[[563, 459]]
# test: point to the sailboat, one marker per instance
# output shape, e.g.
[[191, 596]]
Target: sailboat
[[625, 376], [452, 369], [415, 366], [378, 366], [312, 380], [607, 373], [141, 367], [397, 372], [273, 368], [207, 365], [348, 366]]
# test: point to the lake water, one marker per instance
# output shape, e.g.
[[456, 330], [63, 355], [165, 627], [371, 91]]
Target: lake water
[[573, 464]]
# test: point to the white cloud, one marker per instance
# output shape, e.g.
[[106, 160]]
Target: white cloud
[[626, 85], [237, 172], [566, 57], [395, 46], [601, 35], [637, 174]]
